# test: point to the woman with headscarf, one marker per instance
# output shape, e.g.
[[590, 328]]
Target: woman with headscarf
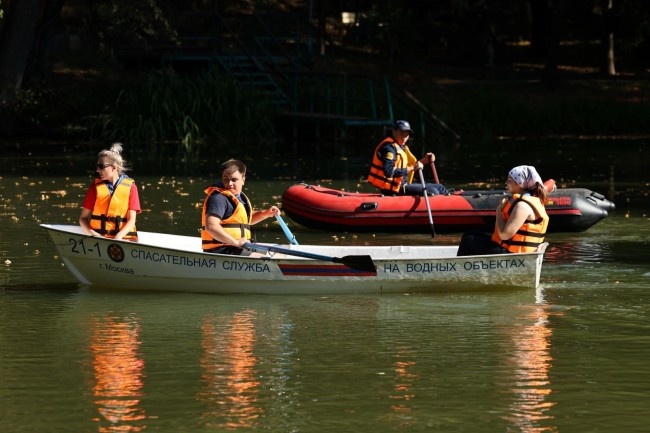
[[521, 219], [112, 200]]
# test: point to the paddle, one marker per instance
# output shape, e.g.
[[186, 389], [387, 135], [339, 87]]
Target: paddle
[[285, 229], [362, 263], [426, 200], [435, 173]]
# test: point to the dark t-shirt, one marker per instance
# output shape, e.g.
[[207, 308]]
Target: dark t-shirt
[[220, 206]]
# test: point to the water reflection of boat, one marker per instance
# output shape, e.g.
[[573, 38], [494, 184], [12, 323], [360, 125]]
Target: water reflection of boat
[[176, 263], [313, 206]]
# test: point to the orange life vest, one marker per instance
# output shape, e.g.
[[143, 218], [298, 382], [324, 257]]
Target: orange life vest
[[403, 158], [531, 234], [110, 210], [237, 224]]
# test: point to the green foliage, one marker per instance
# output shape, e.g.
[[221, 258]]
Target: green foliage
[[119, 23], [438, 31], [34, 106], [185, 116]]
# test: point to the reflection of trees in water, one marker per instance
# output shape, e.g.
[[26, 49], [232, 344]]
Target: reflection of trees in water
[[118, 373], [228, 364], [403, 391], [531, 361]]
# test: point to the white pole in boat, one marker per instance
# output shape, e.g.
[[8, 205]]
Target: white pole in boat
[[426, 200]]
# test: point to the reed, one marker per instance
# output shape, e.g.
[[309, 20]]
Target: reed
[[185, 117]]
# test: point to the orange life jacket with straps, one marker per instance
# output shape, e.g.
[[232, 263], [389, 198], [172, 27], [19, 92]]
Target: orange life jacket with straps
[[237, 224], [531, 234], [110, 210], [403, 158]]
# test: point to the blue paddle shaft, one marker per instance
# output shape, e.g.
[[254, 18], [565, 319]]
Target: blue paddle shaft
[[285, 229]]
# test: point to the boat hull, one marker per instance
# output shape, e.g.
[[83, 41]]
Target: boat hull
[[165, 262], [570, 210]]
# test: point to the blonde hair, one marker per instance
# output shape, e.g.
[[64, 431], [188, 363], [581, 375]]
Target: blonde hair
[[114, 154]]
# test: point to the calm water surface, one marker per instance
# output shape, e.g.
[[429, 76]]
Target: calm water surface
[[571, 357]]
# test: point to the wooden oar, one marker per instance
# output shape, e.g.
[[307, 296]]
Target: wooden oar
[[426, 200], [285, 229], [435, 173], [362, 263]]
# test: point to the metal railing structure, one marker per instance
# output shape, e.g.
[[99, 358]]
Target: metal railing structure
[[256, 51]]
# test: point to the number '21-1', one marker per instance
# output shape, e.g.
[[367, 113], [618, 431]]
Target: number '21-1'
[[79, 247]]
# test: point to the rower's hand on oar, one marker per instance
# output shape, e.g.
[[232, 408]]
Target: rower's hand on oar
[[273, 211], [415, 167], [241, 242], [428, 158]]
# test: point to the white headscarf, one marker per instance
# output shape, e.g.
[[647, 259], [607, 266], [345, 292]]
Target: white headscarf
[[525, 176]]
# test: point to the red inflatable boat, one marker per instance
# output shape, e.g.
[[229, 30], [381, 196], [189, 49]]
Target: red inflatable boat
[[313, 206]]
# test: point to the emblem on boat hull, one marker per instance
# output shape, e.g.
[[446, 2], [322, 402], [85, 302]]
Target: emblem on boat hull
[[115, 252]]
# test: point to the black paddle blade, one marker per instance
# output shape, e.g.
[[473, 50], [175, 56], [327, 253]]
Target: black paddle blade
[[361, 263]]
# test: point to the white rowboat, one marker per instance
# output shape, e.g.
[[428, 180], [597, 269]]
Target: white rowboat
[[167, 262]]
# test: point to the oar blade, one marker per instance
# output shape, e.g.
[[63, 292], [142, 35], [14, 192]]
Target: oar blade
[[361, 263]]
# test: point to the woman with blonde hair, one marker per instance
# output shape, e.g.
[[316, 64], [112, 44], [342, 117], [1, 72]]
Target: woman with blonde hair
[[112, 200]]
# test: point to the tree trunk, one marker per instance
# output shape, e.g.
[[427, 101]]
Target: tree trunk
[[550, 75], [608, 62], [43, 45], [539, 16], [16, 45], [322, 33]]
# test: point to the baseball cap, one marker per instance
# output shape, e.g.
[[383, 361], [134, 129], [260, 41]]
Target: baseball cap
[[403, 125]]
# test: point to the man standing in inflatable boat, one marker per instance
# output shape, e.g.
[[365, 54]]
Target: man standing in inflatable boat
[[393, 165]]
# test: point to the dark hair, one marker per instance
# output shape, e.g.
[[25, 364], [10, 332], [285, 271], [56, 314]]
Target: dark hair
[[233, 165], [539, 191]]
